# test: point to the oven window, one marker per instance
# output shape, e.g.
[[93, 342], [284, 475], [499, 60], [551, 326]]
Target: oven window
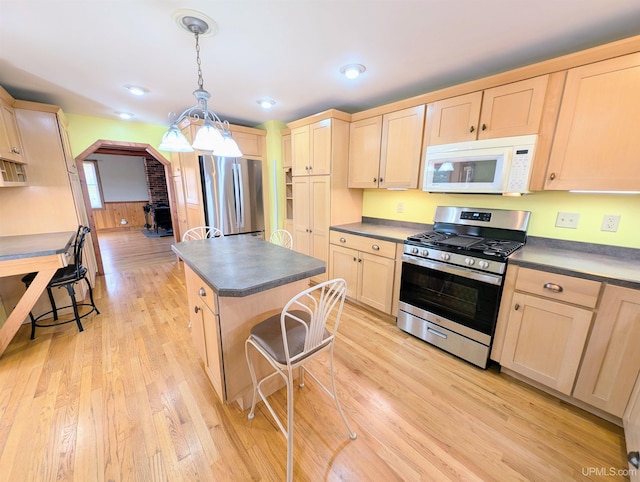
[[462, 300]]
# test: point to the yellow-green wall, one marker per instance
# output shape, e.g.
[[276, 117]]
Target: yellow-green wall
[[84, 131], [419, 207]]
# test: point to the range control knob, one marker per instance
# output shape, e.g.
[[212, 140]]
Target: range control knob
[[483, 264], [445, 256], [469, 261], [414, 250], [424, 253]]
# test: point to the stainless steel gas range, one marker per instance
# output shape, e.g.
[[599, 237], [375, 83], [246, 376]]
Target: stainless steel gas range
[[452, 278]]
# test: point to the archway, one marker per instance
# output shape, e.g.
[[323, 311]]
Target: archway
[[122, 149]]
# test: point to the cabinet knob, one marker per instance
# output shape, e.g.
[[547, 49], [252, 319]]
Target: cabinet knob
[[484, 127], [343, 240], [381, 179], [553, 287], [355, 259], [471, 129], [202, 292], [375, 179], [375, 247], [196, 309], [552, 176], [306, 168], [15, 150], [359, 260], [516, 307]]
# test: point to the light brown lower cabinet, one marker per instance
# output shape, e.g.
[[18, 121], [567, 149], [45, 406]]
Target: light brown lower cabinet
[[631, 421], [578, 337], [545, 339], [368, 266], [204, 320], [611, 361]]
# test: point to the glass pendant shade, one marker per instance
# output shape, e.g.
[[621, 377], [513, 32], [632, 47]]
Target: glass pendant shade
[[229, 147], [208, 138], [175, 141]]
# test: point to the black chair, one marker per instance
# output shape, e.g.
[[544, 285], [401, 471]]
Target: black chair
[[66, 277]]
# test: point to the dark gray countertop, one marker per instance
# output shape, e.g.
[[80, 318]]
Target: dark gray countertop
[[622, 271], [32, 245], [386, 232], [238, 266], [610, 264]]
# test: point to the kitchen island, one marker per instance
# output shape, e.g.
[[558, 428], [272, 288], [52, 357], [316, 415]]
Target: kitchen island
[[233, 283]]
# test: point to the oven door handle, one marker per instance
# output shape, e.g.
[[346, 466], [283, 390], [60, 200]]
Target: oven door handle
[[452, 269]]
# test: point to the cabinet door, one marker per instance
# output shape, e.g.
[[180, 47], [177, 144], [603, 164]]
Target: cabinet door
[[10, 142], [301, 214], [193, 283], [320, 142], [211, 324], [596, 143], [320, 219], [365, 137], [514, 109], [375, 281], [631, 422], [612, 360], [343, 263], [180, 205], [301, 150], [455, 119], [402, 134], [192, 188], [286, 150], [544, 340]]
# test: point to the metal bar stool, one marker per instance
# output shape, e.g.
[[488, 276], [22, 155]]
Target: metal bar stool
[[66, 277]]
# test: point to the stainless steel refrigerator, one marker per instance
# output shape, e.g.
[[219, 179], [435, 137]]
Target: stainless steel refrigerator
[[232, 194]]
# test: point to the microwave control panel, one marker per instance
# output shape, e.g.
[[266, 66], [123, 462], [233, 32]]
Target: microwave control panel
[[520, 169]]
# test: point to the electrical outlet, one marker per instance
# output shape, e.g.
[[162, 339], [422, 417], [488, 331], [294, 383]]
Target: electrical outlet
[[567, 220], [400, 208], [610, 222]]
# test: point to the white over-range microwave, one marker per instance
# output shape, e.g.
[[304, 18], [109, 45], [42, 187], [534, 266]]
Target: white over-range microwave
[[488, 166]]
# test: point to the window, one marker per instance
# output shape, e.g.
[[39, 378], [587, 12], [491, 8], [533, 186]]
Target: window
[[94, 188]]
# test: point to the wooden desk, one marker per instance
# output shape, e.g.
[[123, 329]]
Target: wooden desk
[[22, 254]]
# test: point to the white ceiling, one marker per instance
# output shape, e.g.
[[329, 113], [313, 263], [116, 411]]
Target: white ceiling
[[80, 54]]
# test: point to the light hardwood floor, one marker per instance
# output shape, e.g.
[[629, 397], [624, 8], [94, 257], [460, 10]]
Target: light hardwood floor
[[128, 400]]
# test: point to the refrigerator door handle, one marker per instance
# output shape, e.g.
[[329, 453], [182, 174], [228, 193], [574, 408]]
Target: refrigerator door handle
[[241, 197], [236, 193]]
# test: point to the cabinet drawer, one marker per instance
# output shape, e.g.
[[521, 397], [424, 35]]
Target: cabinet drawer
[[208, 297], [364, 243], [564, 288]]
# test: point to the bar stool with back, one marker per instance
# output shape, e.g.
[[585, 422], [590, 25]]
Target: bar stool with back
[[290, 339], [66, 277]]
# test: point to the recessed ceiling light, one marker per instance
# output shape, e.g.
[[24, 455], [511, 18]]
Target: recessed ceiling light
[[125, 115], [266, 103], [136, 90], [352, 71]]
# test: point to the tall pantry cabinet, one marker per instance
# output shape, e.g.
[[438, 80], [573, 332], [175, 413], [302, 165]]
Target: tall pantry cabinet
[[320, 197]]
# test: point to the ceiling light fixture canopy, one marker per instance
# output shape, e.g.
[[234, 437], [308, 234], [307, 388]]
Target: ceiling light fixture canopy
[[213, 135]]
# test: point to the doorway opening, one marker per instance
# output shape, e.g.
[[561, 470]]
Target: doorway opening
[[118, 148]]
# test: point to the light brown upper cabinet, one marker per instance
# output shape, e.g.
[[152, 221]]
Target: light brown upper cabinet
[[596, 143], [311, 149], [385, 151], [10, 142], [508, 110]]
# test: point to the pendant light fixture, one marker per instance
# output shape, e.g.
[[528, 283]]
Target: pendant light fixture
[[213, 135]]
